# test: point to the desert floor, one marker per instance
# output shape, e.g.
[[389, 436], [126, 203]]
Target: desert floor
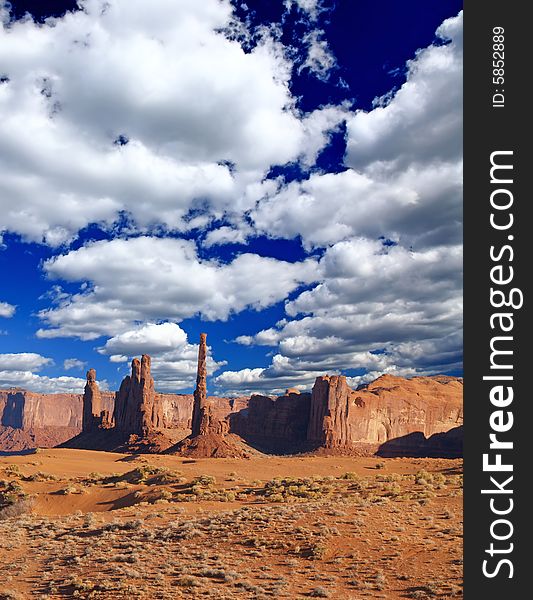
[[82, 524]]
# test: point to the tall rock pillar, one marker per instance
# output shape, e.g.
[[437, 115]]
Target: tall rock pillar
[[200, 411], [92, 403]]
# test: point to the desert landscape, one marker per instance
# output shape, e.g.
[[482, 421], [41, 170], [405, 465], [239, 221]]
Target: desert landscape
[[337, 493], [106, 525], [231, 347]]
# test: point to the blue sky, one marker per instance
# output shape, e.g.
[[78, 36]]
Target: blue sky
[[284, 175]]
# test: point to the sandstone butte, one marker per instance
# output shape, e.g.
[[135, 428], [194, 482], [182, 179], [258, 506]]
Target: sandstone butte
[[391, 416]]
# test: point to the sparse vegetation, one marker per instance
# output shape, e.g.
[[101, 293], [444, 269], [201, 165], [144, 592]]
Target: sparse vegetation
[[318, 536]]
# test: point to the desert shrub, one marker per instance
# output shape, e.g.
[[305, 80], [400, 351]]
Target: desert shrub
[[393, 489], [41, 476], [69, 490], [144, 474], [188, 581], [423, 478], [13, 500], [89, 519], [319, 592], [213, 573], [389, 477], [294, 490], [122, 485], [317, 551], [12, 470], [204, 480], [349, 475], [10, 595], [19, 507]]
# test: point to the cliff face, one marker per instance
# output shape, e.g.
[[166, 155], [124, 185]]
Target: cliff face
[[29, 419], [27, 410], [399, 415], [390, 407], [273, 421]]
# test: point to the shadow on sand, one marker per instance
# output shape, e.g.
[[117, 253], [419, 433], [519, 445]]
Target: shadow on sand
[[439, 445]]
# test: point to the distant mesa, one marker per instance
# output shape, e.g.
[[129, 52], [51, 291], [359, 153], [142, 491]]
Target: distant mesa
[[391, 416]]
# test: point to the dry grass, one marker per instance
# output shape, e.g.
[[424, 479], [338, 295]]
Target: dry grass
[[199, 531]]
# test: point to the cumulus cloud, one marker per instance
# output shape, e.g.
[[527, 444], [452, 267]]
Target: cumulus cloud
[[225, 235], [18, 370], [150, 279], [378, 308], [23, 361], [118, 107], [422, 121], [389, 297], [73, 363], [404, 165], [7, 310], [148, 339], [174, 361], [420, 207], [45, 385]]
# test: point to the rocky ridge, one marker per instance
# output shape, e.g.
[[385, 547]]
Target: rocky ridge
[[392, 416]]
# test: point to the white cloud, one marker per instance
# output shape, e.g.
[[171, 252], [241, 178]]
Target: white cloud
[[189, 100], [379, 309], [147, 339], [23, 361], [118, 358], [311, 8], [224, 235], [73, 363], [150, 279], [319, 60], [7, 310], [422, 121], [404, 159], [174, 359], [45, 385], [18, 370]]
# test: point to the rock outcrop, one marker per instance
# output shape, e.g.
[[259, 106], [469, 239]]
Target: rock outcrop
[[389, 407], [392, 415], [94, 414], [274, 424], [202, 413], [138, 409], [210, 435], [30, 419]]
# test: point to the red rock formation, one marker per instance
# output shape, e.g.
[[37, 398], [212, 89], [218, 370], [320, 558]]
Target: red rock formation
[[200, 412], [388, 413], [13, 439], [209, 436], [390, 407], [138, 409], [30, 419], [94, 414], [274, 423], [21, 409]]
